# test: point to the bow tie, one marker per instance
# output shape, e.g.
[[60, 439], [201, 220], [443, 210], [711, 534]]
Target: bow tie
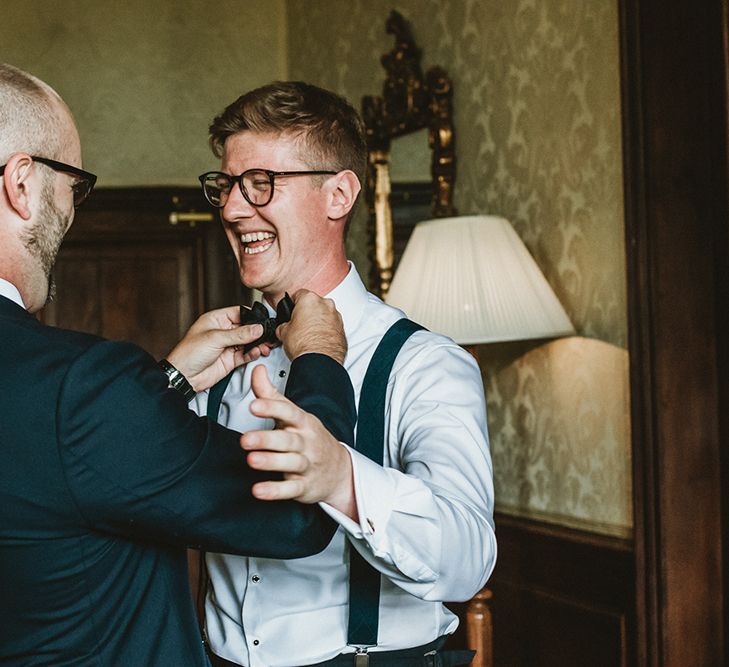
[[258, 314]]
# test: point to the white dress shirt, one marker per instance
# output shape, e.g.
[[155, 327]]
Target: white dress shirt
[[426, 517], [10, 291]]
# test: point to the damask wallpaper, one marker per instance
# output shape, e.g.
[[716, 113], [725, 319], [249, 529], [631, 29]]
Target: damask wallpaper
[[144, 79], [538, 141]]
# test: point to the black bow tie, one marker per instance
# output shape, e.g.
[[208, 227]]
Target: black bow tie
[[258, 314]]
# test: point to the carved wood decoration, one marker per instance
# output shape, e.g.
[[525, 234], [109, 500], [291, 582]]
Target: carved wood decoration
[[409, 102], [479, 628]]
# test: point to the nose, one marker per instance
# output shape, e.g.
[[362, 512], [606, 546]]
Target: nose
[[236, 206]]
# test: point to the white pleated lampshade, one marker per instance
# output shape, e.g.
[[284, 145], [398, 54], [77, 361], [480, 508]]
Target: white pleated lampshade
[[473, 279]]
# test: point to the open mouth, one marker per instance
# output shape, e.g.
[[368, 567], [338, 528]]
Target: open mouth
[[256, 242]]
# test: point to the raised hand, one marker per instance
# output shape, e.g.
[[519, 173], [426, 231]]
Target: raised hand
[[315, 326], [315, 466], [213, 346]]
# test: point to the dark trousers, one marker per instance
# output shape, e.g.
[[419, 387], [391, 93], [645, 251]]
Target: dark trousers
[[428, 655]]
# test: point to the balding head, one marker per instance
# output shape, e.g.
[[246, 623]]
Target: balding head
[[33, 118], [36, 202]]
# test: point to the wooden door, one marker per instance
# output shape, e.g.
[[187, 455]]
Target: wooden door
[[126, 272], [676, 144], [130, 290]]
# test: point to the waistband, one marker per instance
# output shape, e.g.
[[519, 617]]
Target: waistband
[[427, 655]]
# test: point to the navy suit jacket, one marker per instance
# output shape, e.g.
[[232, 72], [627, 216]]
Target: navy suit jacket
[[106, 477]]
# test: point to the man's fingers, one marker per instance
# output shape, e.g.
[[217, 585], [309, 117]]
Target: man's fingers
[[262, 386], [276, 407], [277, 440], [287, 462], [281, 330], [220, 318], [255, 353], [226, 317], [269, 403], [289, 489], [246, 357], [298, 294], [223, 338]]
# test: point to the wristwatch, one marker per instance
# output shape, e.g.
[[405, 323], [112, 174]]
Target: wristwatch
[[177, 380]]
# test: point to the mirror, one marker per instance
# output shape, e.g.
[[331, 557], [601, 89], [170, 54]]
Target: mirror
[[410, 158], [413, 116]]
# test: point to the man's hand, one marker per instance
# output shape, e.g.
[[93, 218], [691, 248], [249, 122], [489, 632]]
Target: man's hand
[[315, 326], [315, 466], [213, 346]]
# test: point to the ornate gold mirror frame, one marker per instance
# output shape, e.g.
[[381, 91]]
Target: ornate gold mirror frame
[[409, 102]]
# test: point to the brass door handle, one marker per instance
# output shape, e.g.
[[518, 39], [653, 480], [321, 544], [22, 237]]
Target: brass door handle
[[192, 218]]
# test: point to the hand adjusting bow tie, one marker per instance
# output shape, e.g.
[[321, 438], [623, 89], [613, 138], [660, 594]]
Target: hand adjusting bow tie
[[258, 314]]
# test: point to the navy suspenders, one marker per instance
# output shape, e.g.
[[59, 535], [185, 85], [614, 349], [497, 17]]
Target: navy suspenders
[[215, 396], [364, 580]]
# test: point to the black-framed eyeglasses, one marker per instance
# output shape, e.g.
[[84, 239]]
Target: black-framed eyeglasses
[[255, 184], [83, 183]]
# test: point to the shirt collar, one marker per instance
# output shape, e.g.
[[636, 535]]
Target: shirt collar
[[10, 291], [350, 297]]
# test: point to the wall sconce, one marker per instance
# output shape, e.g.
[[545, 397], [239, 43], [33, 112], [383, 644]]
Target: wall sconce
[[473, 279]]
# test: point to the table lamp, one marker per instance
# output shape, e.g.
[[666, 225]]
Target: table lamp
[[473, 279]]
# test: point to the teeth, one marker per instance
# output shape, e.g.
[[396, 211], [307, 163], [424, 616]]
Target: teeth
[[255, 236], [254, 251]]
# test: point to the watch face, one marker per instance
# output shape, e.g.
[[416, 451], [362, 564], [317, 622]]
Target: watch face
[[177, 380]]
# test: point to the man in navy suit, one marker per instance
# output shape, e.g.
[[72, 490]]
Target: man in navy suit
[[106, 475]]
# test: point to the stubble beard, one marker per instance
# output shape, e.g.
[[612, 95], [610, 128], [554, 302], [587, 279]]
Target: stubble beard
[[44, 238]]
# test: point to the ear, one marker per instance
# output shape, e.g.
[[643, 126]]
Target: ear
[[16, 180], [345, 188]]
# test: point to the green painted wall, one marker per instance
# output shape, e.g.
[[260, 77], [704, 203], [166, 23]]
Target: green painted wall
[[144, 79]]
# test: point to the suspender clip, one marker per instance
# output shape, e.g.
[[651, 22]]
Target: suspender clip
[[361, 657]]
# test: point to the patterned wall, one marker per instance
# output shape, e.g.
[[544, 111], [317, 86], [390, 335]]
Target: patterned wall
[[537, 116], [144, 79]]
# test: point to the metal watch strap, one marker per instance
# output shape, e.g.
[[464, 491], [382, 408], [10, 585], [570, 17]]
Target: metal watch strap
[[177, 380]]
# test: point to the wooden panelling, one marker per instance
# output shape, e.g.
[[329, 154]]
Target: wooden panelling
[[675, 144], [561, 597], [127, 291]]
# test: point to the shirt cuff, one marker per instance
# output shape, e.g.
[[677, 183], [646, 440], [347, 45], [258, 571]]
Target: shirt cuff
[[374, 482]]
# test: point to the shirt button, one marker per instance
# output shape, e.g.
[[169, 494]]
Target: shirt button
[[255, 578], [282, 374], [256, 642]]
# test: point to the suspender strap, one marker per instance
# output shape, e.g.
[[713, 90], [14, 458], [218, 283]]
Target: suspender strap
[[364, 580], [215, 396]]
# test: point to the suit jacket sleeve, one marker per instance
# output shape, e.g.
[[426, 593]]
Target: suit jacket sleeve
[[141, 464]]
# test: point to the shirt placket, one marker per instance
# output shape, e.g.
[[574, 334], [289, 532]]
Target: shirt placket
[[250, 613], [254, 599], [281, 374]]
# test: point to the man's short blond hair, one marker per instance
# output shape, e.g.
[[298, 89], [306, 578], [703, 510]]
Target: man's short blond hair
[[331, 130]]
